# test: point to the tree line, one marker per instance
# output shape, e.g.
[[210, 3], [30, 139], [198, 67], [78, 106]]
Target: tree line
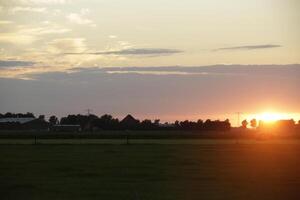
[[92, 122], [17, 115], [108, 122]]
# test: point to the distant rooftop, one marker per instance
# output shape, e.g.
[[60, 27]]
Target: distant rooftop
[[128, 118]]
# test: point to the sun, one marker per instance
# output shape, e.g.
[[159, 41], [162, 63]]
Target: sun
[[270, 116]]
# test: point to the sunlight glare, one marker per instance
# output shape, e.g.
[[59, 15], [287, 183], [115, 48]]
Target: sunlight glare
[[271, 117]]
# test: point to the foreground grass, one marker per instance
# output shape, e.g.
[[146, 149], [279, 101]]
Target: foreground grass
[[143, 171]]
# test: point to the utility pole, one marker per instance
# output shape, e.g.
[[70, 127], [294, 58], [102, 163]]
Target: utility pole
[[89, 111], [238, 118]]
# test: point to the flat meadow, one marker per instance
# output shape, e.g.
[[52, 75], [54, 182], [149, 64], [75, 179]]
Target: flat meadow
[[149, 169]]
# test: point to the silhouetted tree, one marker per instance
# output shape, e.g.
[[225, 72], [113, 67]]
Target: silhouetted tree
[[244, 123], [106, 122], [16, 115], [156, 122], [177, 125], [200, 122], [42, 117], [147, 125], [29, 115], [8, 115], [85, 121], [253, 123], [53, 120]]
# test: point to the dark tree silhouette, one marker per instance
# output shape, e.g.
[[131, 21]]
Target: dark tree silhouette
[[17, 115], [53, 120], [147, 125], [107, 122], [244, 124], [156, 122], [253, 123], [86, 122], [42, 117]]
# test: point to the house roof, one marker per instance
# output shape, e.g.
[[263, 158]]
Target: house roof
[[129, 118], [17, 120]]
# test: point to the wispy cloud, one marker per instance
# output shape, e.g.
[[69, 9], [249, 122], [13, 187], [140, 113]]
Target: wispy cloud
[[37, 70], [249, 47], [112, 36], [81, 18], [44, 1], [15, 63], [134, 51], [279, 71], [134, 70], [67, 44], [28, 9], [27, 35], [156, 72], [4, 22]]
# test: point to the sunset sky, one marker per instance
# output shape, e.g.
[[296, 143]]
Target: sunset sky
[[155, 59]]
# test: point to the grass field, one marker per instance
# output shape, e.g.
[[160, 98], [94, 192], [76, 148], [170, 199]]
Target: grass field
[[151, 171]]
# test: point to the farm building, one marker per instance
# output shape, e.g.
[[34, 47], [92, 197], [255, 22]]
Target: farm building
[[129, 122], [29, 123]]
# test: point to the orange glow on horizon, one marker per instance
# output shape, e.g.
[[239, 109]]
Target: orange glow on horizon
[[271, 116]]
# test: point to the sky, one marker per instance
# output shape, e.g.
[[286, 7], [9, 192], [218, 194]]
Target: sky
[[155, 59]]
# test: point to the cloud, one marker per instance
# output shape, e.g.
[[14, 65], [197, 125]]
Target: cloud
[[16, 38], [27, 35], [133, 51], [28, 9], [279, 71], [159, 72], [135, 70], [46, 30], [15, 63], [39, 71], [249, 47], [44, 1], [112, 36], [4, 22], [9, 3], [80, 18], [67, 44]]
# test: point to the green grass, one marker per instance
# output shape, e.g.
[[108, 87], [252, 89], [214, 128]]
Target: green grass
[[88, 141], [150, 172]]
